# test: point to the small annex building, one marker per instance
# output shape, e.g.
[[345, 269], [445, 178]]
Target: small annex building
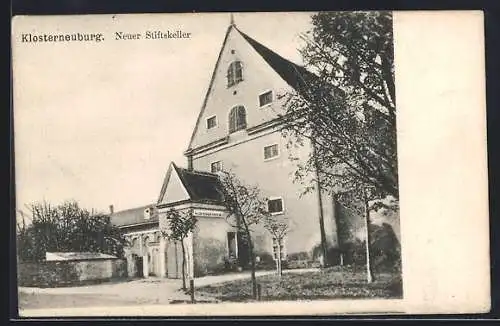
[[150, 253]]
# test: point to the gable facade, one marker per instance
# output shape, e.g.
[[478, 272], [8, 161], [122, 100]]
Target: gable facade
[[173, 189], [257, 78]]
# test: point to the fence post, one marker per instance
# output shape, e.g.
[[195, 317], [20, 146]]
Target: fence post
[[191, 288]]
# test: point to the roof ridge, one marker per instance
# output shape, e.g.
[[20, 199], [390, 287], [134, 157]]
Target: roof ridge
[[134, 208], [246, 36], [205, 173], [294, 74]]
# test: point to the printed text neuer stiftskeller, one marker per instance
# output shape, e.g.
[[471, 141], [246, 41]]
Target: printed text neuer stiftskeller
[[153, 35]]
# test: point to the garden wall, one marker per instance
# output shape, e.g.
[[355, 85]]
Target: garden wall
[[66, 273]]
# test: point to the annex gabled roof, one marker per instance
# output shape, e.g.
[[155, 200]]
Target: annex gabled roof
[[294, 75], [198, 186], [132, 216]]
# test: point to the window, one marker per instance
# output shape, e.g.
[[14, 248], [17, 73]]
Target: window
[[148, 212], [279, 247], [234, 73], [211, 122], [265, 98], [271, 151], [237, 119], [275, 206], [216, 167]]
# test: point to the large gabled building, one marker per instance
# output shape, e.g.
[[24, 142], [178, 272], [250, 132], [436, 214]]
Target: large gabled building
[[238, 129]]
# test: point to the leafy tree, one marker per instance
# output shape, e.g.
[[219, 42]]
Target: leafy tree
[[66, 228], [248, 209], [179, 226], [346, 109]]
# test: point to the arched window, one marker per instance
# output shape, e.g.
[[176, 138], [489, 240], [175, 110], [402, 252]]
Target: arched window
[[237, 119], [234, 73], [134, 243]]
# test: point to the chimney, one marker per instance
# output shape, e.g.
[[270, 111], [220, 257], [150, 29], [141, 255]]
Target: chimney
[[190, 163], [111, 209]]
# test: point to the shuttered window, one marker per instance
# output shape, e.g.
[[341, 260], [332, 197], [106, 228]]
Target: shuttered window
[[237, 119], [234, 73]]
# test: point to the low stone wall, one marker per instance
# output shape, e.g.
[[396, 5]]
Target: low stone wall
[[66, 273]]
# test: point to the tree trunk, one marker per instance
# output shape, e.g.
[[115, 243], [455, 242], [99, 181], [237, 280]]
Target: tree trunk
[[279, 259], [183, 266], [369, 272], [324, 248], [252, 265]]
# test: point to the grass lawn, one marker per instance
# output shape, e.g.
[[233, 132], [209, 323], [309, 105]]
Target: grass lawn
[[329, 283]]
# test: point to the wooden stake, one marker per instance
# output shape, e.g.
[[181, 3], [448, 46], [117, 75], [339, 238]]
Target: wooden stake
[[191, 288]]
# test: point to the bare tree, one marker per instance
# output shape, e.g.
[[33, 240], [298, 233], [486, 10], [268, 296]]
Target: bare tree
[[248, 208], [360, 202], [278, 227], [179, 226], [67, 227]]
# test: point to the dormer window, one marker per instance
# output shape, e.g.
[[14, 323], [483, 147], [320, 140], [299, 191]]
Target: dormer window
[[234, 73], [237, 119], [148, 213]]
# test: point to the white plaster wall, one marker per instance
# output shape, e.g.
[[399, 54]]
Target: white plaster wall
[[274, 178]]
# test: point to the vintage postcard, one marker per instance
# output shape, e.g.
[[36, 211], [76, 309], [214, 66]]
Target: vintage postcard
[[231, 164]]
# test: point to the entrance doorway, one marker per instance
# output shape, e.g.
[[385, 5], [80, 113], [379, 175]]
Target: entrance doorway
[[154, 260], [238, 248], [243, 250], [138, 266]]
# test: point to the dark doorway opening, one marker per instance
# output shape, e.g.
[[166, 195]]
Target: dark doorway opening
[[138, 266], [243, 250], [231, 245]]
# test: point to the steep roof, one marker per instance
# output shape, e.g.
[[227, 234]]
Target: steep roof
[[200, 186], [131, 216], [296, 76]]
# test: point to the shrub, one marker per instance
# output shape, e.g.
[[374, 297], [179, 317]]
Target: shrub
[[333, 254], [299, 256], [384, 250], [266, 261]]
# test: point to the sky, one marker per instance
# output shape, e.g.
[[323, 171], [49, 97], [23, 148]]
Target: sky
[[100, 122]]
